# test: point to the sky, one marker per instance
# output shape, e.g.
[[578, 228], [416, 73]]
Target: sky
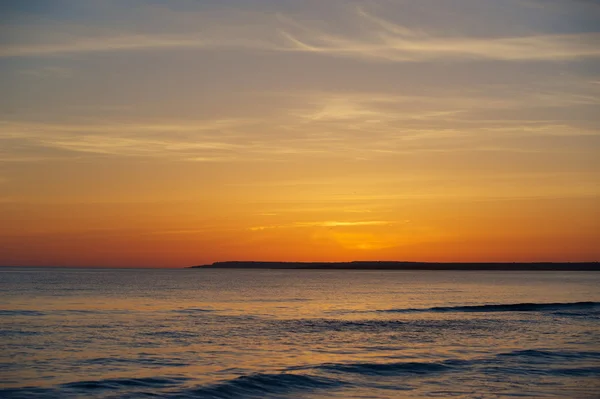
[[176, 133]]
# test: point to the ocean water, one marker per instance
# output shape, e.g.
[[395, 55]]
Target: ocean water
[[298, 334]]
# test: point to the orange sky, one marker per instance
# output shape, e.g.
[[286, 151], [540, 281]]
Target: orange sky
[[173, 134]]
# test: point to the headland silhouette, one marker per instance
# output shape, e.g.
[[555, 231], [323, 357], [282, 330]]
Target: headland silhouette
[[400, 265]]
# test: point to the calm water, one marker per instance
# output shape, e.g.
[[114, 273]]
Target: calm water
[[298, 334]]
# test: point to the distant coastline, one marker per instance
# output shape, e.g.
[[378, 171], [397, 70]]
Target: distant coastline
[[397, 265]]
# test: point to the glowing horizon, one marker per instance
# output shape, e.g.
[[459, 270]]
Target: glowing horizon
[[171, 134]]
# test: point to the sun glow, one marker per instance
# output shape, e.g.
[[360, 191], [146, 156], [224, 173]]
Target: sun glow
[[285, 132]]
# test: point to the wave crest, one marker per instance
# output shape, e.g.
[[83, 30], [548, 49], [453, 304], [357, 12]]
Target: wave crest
[[259, 385], [513, 307], [399, 368], [117, 383]]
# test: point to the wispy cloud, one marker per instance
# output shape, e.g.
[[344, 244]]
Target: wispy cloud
[[331, 223], [328, 125], [373, 38], [47, 72], [325, 223], [387, 41], [372, 108], [127, 42]]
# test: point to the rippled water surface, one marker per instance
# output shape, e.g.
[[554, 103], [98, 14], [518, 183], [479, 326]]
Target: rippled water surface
[[298, 334]]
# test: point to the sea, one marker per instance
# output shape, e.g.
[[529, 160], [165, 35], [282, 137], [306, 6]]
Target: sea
[[226, 333]]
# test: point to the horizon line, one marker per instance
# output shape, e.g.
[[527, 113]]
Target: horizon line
[[400, 262]]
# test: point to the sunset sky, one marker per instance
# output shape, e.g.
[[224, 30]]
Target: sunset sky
[[175, 133]]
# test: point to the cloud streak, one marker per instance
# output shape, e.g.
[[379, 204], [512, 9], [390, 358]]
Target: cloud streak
[[317, 124], [386, 41], [126, 42], [326, 223], [377, 39]]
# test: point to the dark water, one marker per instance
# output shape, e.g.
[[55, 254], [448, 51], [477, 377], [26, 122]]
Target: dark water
[[298, 334]]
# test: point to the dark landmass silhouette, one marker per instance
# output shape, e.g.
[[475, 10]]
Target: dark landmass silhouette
[[396, 265]]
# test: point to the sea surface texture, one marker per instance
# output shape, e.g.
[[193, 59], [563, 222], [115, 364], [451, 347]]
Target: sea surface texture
[[298, 334]]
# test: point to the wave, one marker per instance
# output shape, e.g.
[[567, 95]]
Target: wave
[[93, 387], [18, 333], [142, 361], [118, 383], [397, 368], [60, 312], [29, 392], [516, 307], [93, 312], [375, 325], [259, 385], [591, 371], [320, 325], [413, 368], [544, 354], [277, 300], [327, 376], [192, 310], [8, 312], [262, 385], [588, 314], [168, 334]]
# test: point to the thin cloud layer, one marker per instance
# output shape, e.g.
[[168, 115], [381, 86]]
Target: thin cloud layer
[[326, 223], [377, 39], [385, 40]]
